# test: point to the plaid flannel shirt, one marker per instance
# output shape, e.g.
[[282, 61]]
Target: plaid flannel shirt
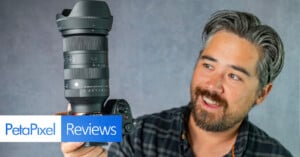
[[161, 135]]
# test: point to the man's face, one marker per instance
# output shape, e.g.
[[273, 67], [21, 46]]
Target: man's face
[[224, 86]]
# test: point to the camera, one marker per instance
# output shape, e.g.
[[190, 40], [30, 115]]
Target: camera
[[86, 73]]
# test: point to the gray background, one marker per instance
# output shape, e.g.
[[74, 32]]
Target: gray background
[[153, 48]]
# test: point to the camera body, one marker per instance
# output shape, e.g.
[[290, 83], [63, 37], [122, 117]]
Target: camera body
[[86, 73], [120, 107]]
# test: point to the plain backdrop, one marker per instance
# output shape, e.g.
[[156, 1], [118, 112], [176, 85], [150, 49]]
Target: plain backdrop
[[153, 46]]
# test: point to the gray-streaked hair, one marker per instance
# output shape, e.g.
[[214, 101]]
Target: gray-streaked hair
[[248, 26]]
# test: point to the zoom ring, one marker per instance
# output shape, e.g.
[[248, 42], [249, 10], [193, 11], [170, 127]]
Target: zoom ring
[[86, 73]]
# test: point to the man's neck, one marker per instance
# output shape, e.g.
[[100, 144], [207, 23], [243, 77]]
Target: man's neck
[[210, 143]]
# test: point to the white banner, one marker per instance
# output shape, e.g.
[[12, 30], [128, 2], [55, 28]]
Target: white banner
[[30, 128]]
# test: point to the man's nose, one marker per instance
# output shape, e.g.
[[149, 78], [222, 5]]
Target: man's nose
[[215, 83]]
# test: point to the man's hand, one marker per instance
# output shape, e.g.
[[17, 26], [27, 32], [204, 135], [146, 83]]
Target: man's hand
[[76, 149]]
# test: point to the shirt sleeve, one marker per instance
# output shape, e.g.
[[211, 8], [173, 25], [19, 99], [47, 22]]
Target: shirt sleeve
[[123, 149], [126, 148]]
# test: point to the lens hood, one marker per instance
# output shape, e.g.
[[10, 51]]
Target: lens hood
[[86, 17]]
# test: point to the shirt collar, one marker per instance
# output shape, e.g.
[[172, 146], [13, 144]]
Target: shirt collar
[[242, 138]]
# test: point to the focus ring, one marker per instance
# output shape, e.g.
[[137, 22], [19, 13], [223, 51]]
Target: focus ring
[[86, 73]]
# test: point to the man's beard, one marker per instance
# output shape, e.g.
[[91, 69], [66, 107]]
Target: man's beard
[[215, 122]]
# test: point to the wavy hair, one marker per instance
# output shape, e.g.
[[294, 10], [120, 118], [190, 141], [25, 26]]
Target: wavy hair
[[249, 27]]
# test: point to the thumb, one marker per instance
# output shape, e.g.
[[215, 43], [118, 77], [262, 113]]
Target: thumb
[[69, 108]]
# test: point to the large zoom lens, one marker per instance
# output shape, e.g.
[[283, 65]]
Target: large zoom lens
[[84, 30]]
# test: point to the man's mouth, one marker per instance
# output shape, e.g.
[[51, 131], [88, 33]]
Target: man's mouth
[[210, 103]]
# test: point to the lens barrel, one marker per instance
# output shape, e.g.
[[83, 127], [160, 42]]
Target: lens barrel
[[85, 48]]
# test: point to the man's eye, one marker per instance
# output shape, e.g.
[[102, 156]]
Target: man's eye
[[235, 77], [207, 66]]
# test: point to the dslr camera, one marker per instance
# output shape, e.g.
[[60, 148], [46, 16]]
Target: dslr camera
[[86, 73]]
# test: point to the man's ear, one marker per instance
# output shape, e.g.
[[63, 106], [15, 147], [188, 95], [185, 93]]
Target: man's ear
[[264, 93]]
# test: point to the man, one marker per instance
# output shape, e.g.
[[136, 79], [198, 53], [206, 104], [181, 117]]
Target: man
[[234, 72]]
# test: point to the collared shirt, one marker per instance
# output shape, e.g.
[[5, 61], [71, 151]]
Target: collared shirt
[[163, 135]]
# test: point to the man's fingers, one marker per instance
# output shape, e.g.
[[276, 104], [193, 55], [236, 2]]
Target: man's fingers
[[74, 149], [93, 151], [67, 147]]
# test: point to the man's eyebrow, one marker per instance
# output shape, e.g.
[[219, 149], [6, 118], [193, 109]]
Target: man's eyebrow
[[208, 58], [235, 67], [240, 69]]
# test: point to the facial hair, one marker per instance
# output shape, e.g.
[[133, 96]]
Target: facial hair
[[215, 122]]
